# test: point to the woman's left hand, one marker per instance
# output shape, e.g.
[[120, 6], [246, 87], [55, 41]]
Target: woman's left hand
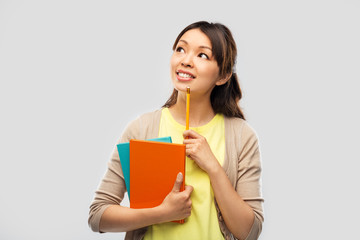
[[198, 149]]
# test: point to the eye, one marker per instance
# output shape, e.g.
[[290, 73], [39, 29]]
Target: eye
[[180, 49], [203, 55]]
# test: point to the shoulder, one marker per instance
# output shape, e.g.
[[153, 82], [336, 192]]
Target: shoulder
[[148, 116], [240, 131], [141, 125], [236, 125]]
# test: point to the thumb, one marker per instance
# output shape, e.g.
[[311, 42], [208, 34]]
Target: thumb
[[178, 182]]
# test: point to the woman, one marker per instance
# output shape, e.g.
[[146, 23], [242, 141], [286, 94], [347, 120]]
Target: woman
[[222, 198]]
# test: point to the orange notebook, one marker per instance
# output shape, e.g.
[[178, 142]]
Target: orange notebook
[[153, 170]]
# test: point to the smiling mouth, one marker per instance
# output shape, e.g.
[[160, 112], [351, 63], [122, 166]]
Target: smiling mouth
[[184, 75]]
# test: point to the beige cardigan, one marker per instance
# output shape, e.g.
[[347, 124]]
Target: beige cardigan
[[242, 165]]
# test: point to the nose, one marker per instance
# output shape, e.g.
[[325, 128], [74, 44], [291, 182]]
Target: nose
[[185, 64], [187, 61]]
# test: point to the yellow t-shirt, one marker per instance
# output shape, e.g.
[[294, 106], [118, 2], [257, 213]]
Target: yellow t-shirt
[[203, 222]]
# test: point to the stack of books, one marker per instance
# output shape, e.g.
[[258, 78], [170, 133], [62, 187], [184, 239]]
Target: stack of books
[[150, 168]]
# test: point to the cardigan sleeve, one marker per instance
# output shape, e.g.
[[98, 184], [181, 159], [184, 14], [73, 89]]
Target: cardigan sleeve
[[112, 187], [248, 183]]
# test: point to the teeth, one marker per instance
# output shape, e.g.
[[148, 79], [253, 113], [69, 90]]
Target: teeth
[[184, 75]]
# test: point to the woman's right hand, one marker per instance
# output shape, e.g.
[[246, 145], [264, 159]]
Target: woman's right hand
[[177, 205]]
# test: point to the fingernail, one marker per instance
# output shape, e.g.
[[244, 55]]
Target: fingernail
[[179, 176]]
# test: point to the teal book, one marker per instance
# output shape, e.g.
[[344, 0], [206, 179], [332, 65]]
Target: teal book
[[124, 155]]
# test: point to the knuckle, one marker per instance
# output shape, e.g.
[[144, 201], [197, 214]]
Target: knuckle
[[184, 197]]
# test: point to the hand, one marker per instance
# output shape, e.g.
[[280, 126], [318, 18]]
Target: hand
[[198, 149], [177, 205]]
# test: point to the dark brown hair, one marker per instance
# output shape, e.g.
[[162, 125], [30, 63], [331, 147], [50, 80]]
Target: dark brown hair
[[224, 98]]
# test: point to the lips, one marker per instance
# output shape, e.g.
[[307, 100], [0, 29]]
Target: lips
[[184, 75]]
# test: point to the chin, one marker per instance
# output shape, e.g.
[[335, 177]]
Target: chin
[[180, 86]]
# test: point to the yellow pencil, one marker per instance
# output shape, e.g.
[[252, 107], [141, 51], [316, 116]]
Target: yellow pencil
[[187, 107]]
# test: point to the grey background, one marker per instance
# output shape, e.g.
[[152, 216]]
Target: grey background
[[74, 73]]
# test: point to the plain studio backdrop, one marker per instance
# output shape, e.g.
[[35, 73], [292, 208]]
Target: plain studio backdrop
[[75, 73]]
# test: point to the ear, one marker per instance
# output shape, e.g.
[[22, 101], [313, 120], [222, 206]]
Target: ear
[[223, 80]]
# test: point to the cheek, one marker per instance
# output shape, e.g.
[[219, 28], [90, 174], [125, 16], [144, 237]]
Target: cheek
[[173, 61], [172, 66], [211, 73]]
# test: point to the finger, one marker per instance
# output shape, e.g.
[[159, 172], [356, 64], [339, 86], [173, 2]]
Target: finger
[[187, 133], [188, 189], [189, 146], [188, 152], [189, 141], [191, 133], [178, 182], [190, 149]]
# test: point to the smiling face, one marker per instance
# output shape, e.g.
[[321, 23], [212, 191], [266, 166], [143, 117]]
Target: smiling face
[[193, 64]]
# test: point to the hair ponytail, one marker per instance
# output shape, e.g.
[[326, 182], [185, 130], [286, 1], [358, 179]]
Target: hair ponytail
[[224, 98]]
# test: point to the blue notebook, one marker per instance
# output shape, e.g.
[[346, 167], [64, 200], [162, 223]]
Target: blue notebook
[[124, 155]]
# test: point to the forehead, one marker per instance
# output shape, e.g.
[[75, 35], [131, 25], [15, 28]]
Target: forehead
[[196, 37]]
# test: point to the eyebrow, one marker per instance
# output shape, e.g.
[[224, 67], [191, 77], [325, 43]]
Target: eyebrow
[[199, 46]]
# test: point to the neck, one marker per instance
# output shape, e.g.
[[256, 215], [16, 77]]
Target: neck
[[201, 111]]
